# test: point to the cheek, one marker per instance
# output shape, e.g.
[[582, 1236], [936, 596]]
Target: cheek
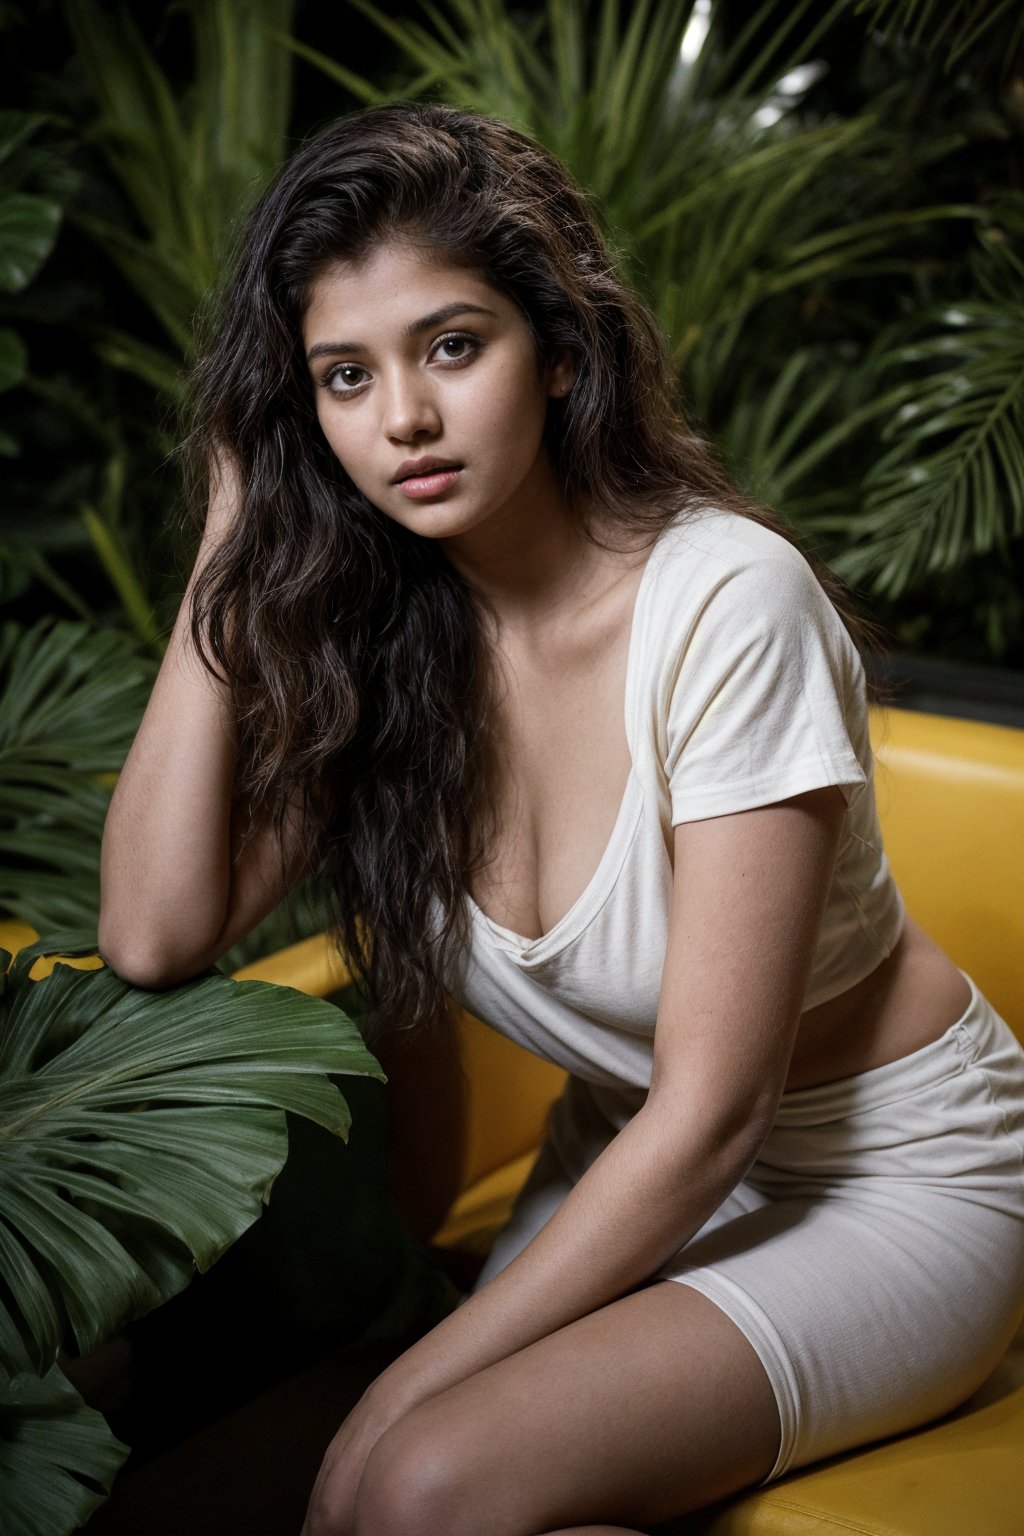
[[339, 439], [513, 414]]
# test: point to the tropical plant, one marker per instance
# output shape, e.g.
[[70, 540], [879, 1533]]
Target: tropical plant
[[29, 221], [28, 229], [71, 698], [950, 484], [952, 27], [188, 164], [163, 174], [696, 156], [140, 1135]]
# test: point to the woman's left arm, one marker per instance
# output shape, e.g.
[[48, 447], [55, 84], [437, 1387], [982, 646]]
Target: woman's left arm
[[749, 894]]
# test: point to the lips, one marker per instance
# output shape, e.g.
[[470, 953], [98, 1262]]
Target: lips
[[415, 468]]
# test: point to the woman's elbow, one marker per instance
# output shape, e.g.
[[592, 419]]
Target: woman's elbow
[[727, 1140], [144, 960]]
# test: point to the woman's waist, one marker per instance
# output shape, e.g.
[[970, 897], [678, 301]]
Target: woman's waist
[[907, 1001]]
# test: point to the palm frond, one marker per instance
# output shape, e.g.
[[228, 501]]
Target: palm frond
[[951, 27], [188, 165], [950, 484], [701, 173], [71, 698]]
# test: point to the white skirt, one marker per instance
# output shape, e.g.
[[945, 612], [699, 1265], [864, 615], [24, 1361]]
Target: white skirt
[[874, 1254]]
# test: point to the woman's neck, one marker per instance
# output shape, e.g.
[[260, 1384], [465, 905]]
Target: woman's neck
[[532, 564]]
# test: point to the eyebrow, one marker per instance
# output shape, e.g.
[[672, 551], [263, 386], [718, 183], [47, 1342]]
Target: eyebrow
[[413, 329]]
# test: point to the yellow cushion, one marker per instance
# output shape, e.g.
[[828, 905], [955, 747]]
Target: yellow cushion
[[481, 1211], [313, 966], [951, 803], [14, 935]]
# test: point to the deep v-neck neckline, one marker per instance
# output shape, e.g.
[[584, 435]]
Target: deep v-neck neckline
[[591, 898]]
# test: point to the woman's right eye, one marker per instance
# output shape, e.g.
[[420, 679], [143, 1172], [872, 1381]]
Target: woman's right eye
[[345, 378]]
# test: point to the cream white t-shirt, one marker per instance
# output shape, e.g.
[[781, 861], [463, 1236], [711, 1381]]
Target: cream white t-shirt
[[742, 688]]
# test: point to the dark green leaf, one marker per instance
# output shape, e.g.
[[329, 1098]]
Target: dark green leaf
[[71, 698], [57, 1457], [28, 230], [140, 1132], [13, 359]]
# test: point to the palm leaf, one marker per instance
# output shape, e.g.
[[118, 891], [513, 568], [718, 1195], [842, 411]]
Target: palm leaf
[[953, 26], [13, 359], [71, 698], [141, 1132], [71, 695], [189, 164], [950, 485], [774, 439]]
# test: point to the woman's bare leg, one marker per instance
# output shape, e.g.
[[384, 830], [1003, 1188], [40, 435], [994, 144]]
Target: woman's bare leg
[[650, 1407]]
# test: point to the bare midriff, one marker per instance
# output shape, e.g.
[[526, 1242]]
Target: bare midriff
[[908, 1001]]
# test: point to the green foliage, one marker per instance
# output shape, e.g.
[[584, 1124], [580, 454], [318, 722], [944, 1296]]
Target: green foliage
[[181, 167], [28, 222], [28, 231], [952, 27], [140, 1134], [188, 165], [778, 228], [950, 486], [13, 360], [71, 698], [57, 1456]]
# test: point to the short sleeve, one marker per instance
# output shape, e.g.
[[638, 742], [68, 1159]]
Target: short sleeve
[[765, 697]]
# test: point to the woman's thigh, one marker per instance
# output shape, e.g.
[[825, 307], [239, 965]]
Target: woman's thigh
[[652, 1406]]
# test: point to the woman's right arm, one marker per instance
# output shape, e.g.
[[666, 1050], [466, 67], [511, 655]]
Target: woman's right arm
[[178, 884]]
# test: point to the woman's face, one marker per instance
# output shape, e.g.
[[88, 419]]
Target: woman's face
[[429, 391]]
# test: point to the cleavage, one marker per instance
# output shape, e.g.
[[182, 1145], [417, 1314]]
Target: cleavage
[[561, 768]]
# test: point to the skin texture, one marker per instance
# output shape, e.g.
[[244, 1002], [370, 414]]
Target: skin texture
[[569, 1391]]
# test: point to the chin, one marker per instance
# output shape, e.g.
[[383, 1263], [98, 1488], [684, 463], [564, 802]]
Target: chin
[[436, 519]]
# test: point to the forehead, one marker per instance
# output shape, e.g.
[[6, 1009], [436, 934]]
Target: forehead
[[392, 286]]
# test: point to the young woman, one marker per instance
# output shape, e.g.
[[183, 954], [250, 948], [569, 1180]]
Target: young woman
[[478, 628]]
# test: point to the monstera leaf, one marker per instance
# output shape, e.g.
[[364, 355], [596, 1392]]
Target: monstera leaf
[[140, 1135], [57, 1456]]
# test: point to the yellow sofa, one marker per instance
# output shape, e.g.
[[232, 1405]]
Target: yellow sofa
[[951, 800]]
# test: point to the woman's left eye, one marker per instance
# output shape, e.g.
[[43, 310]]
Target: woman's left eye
[[456, 348]]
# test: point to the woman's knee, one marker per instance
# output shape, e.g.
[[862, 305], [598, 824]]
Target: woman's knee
[[413, 1483]]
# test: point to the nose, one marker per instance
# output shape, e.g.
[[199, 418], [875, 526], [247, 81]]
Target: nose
[[409, 409]]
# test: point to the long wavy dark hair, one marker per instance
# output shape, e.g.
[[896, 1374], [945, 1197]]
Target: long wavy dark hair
[[353, 649]]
